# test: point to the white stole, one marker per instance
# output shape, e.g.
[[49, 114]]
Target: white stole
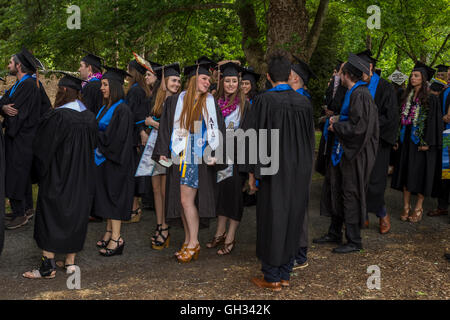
[[180, 136]]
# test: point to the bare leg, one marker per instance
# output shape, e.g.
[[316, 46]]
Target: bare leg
[[115, 226], [191, 213], [406, 199], [221, 225], [230, 237], [159, 186], [420, 199]]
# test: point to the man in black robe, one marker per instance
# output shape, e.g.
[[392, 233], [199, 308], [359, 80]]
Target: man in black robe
[[388, 119], [21, 108], [284, 183], [91, 71], [354, 151]]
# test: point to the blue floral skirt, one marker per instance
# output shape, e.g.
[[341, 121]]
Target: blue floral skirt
[[189, 170]]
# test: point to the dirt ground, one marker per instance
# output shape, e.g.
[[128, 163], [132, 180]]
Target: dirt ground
[[410, 258]]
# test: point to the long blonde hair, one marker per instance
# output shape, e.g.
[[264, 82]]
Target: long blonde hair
[[192, 109], [160, 98]]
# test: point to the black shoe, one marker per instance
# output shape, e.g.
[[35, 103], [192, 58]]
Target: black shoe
[[112, 252], [30, 213], [347, 248], [327, 239], [16, 223]]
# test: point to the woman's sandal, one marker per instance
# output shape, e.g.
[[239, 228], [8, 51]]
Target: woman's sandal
[[135, 216], [416, 216], [47, 270], [405, 214], [104, 243], [189, 254], [226, 248], [159, 245], [116, 251], [157, 233], [216, 241], [70, 268], [183, 247]]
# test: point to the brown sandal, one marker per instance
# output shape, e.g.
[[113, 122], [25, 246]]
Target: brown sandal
[[226, 248], [416, 216], [216, 241], [405, 214]]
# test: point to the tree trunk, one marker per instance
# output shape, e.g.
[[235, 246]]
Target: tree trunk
[[251, 45], [314, 33], [287, 25]]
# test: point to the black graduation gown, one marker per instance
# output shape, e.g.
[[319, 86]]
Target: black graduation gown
[[230, 200], [139, 106], [115, 177], [415, 169], [282, 202], [388, 120], [64, 161], [19, 135], [207, 175], [2, 190], [349, 179], [92, 96], [334, 104], [441, 187]]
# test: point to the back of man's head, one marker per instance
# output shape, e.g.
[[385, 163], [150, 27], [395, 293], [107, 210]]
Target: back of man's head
[[279, 68]]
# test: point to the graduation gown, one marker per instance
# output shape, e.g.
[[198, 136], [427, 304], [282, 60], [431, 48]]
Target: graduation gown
[[282, 202], [388, 120], [19, 135], [230, 200], [139, 106], [64, 161], [2, 190], [349, 179], [92, 96], [114, 185], [207, 175], [441, 187], [415, 169], [334, 104]]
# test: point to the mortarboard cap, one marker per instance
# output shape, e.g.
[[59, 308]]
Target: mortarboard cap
[[202, 68], [359, 63], [429, 72], [169, 70], [367, 56], [250, 75], [28, 60], [303, 70], [70, 81], [93, 60], [230, 69], [115, 74], [442, 68]]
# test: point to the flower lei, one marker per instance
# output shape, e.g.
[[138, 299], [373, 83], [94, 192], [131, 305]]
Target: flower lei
[[92, 76], [413, 113], [226, 111]]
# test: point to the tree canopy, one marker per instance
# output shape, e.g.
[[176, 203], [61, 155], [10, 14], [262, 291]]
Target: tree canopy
[[319, 31]]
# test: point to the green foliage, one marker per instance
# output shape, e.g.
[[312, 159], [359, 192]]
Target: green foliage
[[181, 30]]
